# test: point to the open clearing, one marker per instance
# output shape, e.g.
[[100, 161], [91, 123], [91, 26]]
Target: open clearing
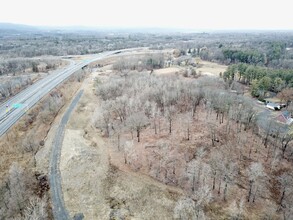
[[204, 68], [210, 68], [168, 71]]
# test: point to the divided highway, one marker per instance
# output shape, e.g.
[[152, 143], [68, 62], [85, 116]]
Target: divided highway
[[15, 108]]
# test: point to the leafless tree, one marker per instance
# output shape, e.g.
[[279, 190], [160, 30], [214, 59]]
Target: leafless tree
[[37, 209], [213, 130], [130, 155], [185, 209], [136, 122], [155, 112], [118, 129], [186, 124], [285, 140], [170, 114], [30, 144], [229, 174], [237, 209], [255, 175], [203, 196], [103, 116], [111, 89], [194, 168], [286, 95], [119, 107], [216, 164], [17, 189], [268, 131], [196, 96], [286, 188], [288, 212]]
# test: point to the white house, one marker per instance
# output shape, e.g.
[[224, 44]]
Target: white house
[[273, 106]]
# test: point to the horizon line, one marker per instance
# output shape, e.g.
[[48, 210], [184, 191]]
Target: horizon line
[[92, 28]]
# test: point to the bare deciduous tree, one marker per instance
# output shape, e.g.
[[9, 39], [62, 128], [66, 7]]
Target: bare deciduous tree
[[186, 124], [286, 95], [170, 114], [203, 196], [237, 209], [286, 188], [136, 122], [216, 166], [285, 140], [255, 175], [17, 190], [103, 116], [185, 209], [36, 210]]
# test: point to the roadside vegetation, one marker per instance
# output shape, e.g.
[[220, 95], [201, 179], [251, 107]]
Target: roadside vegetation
[[20, 66], [24, 189], [18, 73]]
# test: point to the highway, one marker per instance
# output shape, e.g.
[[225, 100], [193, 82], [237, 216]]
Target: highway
[[14, 108]]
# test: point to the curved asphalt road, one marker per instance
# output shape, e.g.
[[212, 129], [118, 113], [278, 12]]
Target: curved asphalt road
[[59, 210]]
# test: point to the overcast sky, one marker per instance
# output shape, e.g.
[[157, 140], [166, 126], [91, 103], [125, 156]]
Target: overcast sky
[[193, 14]]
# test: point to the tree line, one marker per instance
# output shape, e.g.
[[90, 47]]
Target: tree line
[[140, 63], [258, 56], [250, 57], [261, 79], [17, 66], [23, 189]]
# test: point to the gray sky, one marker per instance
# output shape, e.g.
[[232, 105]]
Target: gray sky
[[194, 14]]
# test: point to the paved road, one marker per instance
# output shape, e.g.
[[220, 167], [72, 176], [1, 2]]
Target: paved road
[[59, 210], [31, 95]]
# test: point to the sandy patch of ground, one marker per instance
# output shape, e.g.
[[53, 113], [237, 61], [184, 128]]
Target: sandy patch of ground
[[138, 197], [107, 68], [168, 71], [210, 68], [83, 169]]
